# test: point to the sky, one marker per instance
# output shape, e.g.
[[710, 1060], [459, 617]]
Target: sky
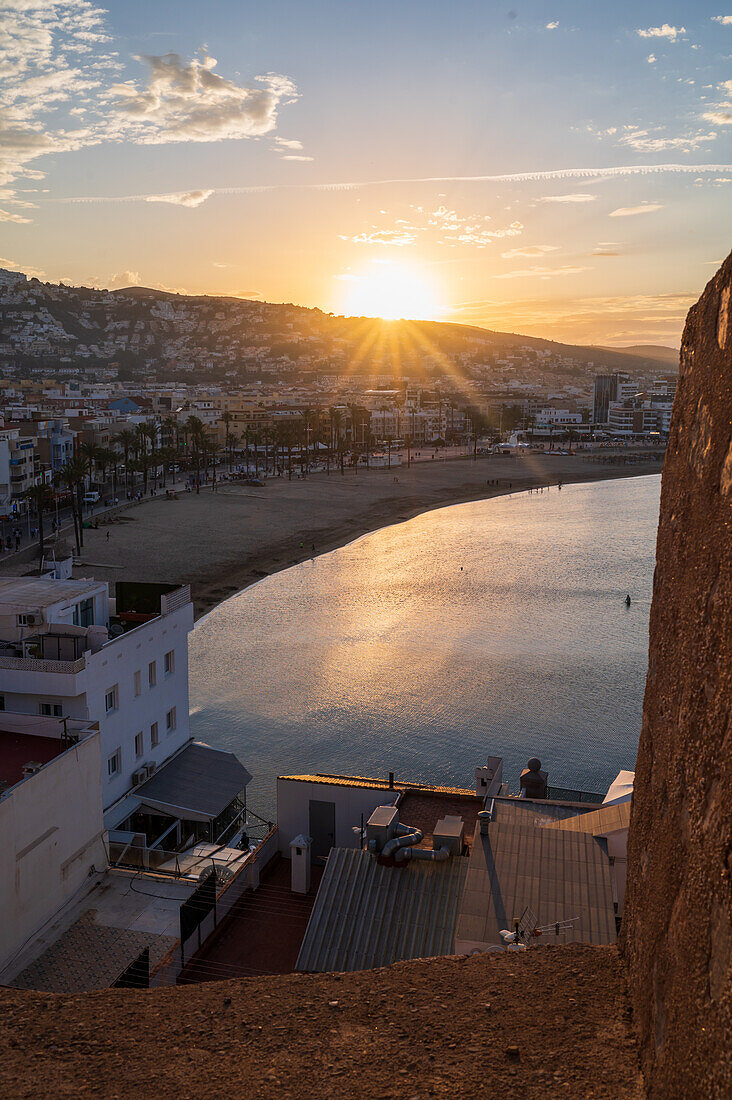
[[555, 169]]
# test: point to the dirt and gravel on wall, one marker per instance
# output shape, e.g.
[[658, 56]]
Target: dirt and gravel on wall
[[548, 1022]]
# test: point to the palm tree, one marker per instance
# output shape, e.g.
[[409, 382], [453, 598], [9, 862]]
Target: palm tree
[[90, 454], [226, 419], [40, 496], [126, 440], [195, 431], [72, 475]]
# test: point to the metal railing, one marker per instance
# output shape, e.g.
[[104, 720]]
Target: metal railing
[[172, 601]]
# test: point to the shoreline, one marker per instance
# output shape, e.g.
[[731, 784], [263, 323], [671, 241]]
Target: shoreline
[[221, 542], [268, 560]]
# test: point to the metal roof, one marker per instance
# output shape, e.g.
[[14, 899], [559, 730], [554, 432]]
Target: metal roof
[[368, 915], [196, 785], [600, 822], [561, 875]]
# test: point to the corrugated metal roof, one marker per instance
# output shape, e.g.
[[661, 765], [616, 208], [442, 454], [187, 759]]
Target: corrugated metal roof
[[368, 915], [600, 822], [560, 875]]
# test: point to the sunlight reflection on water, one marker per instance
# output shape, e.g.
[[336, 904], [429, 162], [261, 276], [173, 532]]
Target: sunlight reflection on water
[[497, 627]]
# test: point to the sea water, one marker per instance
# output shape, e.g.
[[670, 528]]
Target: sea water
[[498, 628]]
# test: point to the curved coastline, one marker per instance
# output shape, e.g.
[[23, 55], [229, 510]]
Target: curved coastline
[[345, 536]]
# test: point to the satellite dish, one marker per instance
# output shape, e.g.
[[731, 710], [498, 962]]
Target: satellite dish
[[223, 874]]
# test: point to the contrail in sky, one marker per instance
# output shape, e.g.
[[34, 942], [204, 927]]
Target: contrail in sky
[[587, 174]]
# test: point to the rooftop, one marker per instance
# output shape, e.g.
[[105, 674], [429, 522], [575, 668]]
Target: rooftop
[[373, 784], [261, 934], [560, 875], [30, 738], [36, 592], [91, 942], [368, 915]]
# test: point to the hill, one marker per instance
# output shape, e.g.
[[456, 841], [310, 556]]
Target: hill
[[669, 357], [50, 327]]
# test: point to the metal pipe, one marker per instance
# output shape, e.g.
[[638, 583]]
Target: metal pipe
[[436, 855], [406, 835]]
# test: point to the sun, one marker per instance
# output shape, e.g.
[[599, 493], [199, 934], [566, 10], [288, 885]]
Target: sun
[[391, 291]]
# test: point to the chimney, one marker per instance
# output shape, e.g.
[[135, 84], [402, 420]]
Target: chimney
[[533, 780]]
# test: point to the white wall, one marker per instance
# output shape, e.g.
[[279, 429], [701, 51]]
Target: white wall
[[51, 829], [116, 664], [82, 694], [293, 808]]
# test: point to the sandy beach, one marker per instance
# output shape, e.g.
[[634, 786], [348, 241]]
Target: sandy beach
[[219, 542]]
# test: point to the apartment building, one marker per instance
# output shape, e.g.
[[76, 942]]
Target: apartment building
[[19, 467], [68, 650]]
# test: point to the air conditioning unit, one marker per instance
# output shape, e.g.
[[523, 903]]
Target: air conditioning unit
[[149, 767], [139, 777]]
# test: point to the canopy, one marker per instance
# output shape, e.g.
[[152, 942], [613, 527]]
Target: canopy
[[197, 785]]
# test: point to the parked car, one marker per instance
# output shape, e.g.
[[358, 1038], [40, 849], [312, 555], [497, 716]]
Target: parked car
[[91, 497]]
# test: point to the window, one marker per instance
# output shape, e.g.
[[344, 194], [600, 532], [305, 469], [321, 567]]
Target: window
[[111, 700], [51, 710], [170, 662], [170, 720], [138, 686], [114, 763], [154, 735], [2, 702], [139, 746], [152, 674], [84, 613]]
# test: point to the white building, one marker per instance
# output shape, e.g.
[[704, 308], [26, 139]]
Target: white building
[[67, 650], [50, 820]]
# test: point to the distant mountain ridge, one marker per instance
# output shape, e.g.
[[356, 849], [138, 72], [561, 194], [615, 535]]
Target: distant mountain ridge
[[139, 328]]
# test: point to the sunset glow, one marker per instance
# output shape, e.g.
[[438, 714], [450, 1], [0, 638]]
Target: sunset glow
[[537, 163], [390, 291]]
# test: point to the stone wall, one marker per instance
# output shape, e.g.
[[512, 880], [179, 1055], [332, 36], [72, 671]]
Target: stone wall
[[677, 931]]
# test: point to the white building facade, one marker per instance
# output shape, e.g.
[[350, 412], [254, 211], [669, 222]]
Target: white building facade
[[67, 650]]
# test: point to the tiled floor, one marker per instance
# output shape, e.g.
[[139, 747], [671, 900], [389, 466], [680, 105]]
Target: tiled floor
[[261, 935]]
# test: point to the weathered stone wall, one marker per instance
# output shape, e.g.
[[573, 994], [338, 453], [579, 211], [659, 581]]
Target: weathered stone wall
[[677, 933]]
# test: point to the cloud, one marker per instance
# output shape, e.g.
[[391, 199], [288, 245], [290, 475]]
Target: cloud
[[18, 219], [575, 197], [182, 198], [643, 142], [530, 250], [294, 156], [631, 211], [592, 175], [725, 20], [664, 31], [607, 248], [552, 26], [651, 59], [397, 237], [721, 115], [187, 101], [124, 278], [538, 272]]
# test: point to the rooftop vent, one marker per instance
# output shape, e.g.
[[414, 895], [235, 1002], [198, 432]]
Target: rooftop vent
[[381, 827]]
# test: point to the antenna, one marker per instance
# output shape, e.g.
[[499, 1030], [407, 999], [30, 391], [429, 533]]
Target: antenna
[[526, 928]]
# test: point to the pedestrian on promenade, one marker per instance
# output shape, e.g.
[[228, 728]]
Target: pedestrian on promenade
[[107, 536]]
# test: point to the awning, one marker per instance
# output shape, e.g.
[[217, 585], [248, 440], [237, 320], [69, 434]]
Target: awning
[[197, 785]]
